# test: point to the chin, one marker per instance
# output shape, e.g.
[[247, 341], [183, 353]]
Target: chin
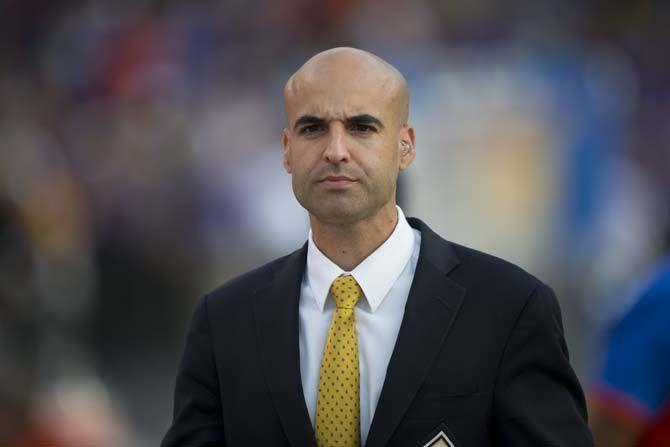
[[341, 213]]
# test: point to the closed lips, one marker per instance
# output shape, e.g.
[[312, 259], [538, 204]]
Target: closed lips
[[337, 178]]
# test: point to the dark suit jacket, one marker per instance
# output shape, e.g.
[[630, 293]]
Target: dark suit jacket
[[480, 355]]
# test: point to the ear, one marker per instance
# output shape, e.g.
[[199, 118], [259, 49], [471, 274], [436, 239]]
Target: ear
[[287, 150], [407, 138]]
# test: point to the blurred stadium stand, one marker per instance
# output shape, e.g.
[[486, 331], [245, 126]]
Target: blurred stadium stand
[[140, 166]]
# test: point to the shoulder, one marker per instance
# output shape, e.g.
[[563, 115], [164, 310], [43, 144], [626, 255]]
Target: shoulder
[[471, 268], [489, 281], [648, 317], [501, 287], [480, 269], [503, 293], [658, 287]]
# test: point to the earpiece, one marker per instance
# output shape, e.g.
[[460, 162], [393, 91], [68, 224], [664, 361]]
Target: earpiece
[[405, 147]]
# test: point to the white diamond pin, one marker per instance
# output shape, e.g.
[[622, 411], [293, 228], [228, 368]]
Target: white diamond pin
[[440, 440]]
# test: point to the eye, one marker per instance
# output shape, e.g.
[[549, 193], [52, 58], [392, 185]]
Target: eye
[[362, 128], [311, 129]]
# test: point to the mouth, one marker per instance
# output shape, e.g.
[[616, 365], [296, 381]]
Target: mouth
[[337, 181]]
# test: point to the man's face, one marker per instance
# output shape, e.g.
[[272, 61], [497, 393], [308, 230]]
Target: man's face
[[342, 145]]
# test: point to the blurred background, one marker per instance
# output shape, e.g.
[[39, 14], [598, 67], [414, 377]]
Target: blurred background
[[140, 167]]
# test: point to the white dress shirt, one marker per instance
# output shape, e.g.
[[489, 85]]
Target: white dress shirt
[[385, 278]]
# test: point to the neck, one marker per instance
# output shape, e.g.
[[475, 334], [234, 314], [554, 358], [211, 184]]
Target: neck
[[347, 245]]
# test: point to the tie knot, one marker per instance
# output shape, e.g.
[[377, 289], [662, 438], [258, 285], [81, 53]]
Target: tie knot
[[345, 291]]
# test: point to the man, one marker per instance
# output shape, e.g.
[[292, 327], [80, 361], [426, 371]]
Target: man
[[631, 402], [376, 332]]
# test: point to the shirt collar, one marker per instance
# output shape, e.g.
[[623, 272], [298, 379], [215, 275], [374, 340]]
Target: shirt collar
[[376, 274]]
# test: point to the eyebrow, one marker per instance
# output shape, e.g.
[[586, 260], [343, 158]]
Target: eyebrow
[[308, 119], [356, 119], [364, 119]]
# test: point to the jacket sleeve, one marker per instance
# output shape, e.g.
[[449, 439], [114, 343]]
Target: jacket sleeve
[[197, 417], [537, 399]]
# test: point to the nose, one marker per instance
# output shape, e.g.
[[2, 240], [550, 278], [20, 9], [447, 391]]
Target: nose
[[336, 150]]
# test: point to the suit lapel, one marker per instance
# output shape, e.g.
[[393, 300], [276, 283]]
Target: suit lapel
[[276, 312], [432, 305]]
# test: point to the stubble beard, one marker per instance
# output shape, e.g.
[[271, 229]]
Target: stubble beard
[[340, 208]]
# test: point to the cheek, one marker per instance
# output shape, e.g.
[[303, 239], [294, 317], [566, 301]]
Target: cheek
[[301, 172], [300, 188], [302, 166], [298, 178], [382, 167]]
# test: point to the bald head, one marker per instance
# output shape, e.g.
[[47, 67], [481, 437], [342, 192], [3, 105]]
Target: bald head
[[347, 137], [348, 71]]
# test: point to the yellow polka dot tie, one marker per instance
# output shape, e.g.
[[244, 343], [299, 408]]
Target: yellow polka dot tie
[[338, 403]]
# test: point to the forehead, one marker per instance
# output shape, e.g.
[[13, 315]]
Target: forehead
[[336, 95]]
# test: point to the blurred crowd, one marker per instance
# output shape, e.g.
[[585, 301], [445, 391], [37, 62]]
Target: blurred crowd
[[140, 166]]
